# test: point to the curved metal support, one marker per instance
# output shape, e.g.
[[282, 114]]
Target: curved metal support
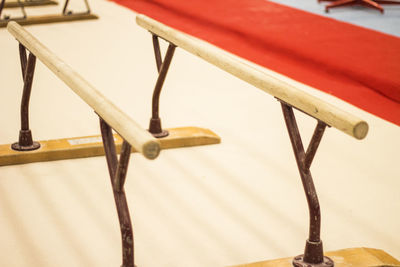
[[157, 52], [117, 170], [313, 253], [25, 141], [308, 184], [7, 17], [66, 14], [314, 143], [22, 6], [22, 59], [162, 66], [375, 4], [64, 11]]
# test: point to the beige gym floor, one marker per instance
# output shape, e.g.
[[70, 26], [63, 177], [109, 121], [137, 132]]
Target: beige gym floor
[[236, 202]]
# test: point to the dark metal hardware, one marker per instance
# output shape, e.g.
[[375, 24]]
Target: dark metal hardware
[[66, 12], [157, 52], [117, 170], [25, 141], [3, 2], [20, 5], [314, 143], [162, 67], [313, 253]]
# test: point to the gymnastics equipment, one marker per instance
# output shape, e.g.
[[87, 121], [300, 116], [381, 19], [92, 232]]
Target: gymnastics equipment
[[111, 117], [362, 257], [375, 4], [290, 98], [131, 137], [26, 150], [26, 3], [66, 15]]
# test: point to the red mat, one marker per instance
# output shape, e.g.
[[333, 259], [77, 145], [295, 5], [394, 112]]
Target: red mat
[[358, 65]]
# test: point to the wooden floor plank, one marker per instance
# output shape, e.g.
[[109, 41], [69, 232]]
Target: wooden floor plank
[[351, 257]]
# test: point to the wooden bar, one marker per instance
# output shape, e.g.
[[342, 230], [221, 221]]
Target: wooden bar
[[140, 139], [293, 96], [92, 146], [15, 4], [50, 19], [351, 257]]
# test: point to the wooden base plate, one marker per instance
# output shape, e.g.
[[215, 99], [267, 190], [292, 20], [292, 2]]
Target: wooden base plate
[[14, 4], [90, 146], [352, 257], [49, 19]]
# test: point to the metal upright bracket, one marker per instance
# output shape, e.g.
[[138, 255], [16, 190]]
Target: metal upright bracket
[[65, 10], [25, 142], [162, 67], [313, 254], [117, 170], [17, 4], [65, 15], [2, 4], [90, 146]]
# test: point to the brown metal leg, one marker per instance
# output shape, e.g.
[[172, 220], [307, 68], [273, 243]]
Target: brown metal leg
[[313, 253], [162, 66], [369, 3], [387, 2], [157, 52], [15, 4], [22, 6], [341, 3], [2, 3], [372, 4], [25, 142], [66, 12], [117, 170], [314, 143]]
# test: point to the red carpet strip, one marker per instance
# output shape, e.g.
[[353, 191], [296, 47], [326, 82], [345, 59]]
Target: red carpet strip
[[355, 64]]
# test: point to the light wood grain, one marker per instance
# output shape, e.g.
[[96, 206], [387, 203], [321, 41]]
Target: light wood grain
[[139, 138], [15, 4], [92, 146], [351, 257], [51, 18], [299, 99]]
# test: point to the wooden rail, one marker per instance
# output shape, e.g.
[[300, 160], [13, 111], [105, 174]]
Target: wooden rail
[[15, 4], [295, 97], [141, 140]]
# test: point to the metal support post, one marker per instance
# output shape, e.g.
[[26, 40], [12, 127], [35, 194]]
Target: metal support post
[[25, 141], [19, 4], [313, 253], [2, 4], [162, 67], [66, 15], [65, 10], [117, 170]]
